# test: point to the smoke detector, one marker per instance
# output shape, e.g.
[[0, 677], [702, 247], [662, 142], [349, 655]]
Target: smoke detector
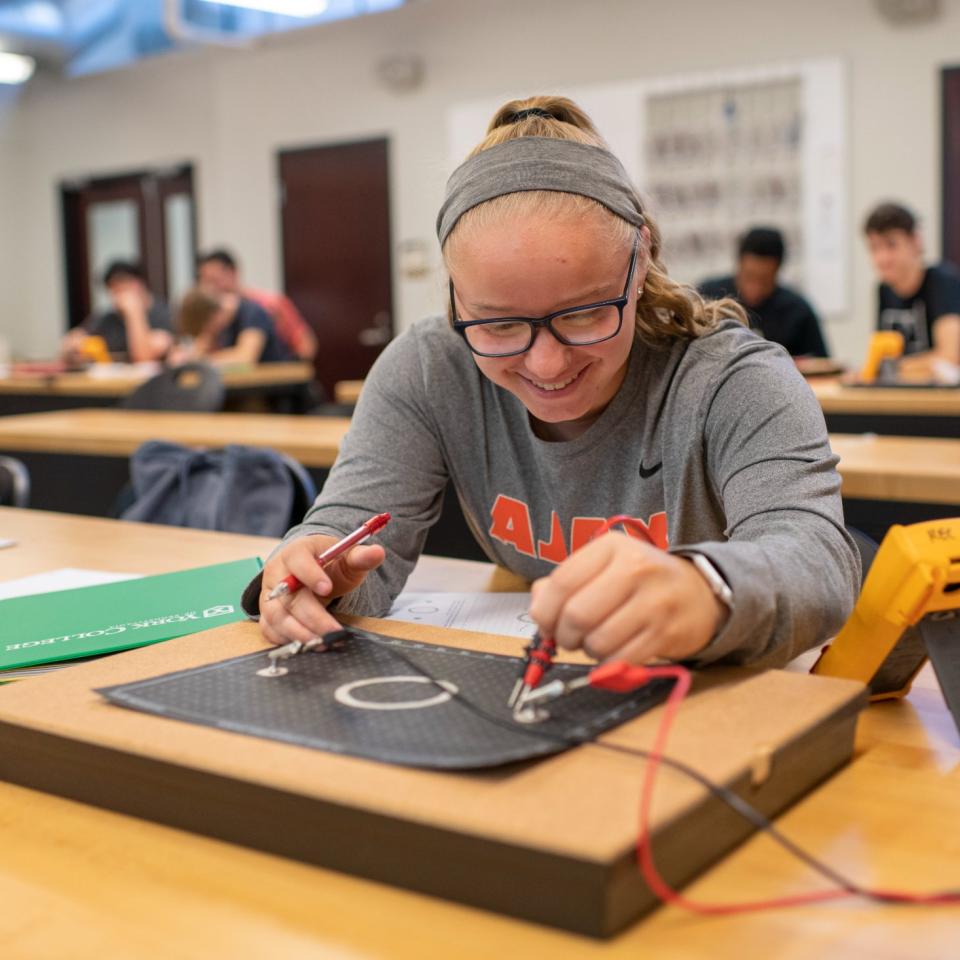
[[401, 73]]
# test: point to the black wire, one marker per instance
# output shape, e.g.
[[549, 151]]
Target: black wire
[[735, 802]]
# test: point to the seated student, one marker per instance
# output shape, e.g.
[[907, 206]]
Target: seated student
[[137, 328], [225, 329], [921, 302], [217, 272], [778, 313], [572, 381]]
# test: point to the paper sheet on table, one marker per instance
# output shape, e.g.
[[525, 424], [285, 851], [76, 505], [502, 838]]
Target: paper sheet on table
[[66, 578], [504, 613]]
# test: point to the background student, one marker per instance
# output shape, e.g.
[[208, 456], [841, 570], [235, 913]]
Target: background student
[[136, 328], [777, 312], [922, 302], [219, 273], [226, 329]]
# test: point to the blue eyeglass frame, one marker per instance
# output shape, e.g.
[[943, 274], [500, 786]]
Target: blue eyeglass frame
[[534, 323]]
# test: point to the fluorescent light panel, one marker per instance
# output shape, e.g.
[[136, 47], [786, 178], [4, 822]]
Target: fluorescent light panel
[[15, 68], [288, 8]]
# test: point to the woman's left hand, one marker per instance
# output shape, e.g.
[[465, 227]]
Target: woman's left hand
[[620, 598]]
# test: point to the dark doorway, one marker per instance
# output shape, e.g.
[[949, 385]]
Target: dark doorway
[[148, 217], [951, 164], [335, 228]]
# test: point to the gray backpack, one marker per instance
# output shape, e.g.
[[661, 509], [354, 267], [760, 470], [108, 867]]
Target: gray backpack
[[237, 489]]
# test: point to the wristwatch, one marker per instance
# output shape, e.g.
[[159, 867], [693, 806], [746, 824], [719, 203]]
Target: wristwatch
[[719, 586]]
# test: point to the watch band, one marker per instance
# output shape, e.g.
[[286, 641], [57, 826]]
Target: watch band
[[719, 586]]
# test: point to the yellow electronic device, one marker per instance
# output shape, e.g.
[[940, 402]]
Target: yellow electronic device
[[885, 345], [908, 610], [94, 349]]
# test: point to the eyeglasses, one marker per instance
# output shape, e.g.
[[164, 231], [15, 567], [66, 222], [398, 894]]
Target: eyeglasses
[[574, 326]]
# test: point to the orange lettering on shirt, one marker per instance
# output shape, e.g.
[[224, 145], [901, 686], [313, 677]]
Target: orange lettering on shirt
[[554, 551], [656, 526], [511, 524], [582, 529]]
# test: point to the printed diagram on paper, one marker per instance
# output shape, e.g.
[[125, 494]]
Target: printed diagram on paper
[[504, 613]]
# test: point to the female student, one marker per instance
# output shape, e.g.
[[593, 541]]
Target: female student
[[574, 381], [226, 328]]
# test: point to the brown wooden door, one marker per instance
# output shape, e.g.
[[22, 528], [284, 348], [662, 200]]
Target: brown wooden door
[[147, 217], [335, 203], [951, 164]]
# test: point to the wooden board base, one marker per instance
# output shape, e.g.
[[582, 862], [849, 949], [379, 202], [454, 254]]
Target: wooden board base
[[550, 841]]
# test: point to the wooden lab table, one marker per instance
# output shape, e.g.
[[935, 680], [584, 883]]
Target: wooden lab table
[[313, 441], [252, 383], [78, 461], [347, 391], [904, 469], [893, 479], [902, 411], [84, 883], [918, 411]]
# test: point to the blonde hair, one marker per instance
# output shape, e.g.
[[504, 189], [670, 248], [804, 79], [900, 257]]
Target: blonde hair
[[197, 309], [667, 310]]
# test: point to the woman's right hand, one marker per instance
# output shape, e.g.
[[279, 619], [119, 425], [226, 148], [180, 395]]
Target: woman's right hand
[[303, 615]]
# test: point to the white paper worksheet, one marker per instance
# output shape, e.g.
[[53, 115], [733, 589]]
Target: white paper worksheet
[[65, 578], [504, 613]]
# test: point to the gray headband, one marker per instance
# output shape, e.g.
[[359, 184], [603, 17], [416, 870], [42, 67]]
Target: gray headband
[[539, 163]]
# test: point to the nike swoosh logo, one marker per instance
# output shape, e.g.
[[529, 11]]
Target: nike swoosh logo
[[647, 472]]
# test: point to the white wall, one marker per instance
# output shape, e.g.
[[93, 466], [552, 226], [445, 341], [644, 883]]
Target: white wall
[[230, 111]]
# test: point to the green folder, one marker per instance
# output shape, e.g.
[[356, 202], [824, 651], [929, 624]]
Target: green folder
[[91, 621]]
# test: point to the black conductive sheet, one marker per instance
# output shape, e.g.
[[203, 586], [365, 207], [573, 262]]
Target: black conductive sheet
[[374, 698]]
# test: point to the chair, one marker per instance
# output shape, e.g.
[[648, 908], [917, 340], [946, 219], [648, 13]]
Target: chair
[[14, 483], [192, 386], [868, 548]]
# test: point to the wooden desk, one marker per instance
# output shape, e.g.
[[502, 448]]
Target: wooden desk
[[894, 410], [910, 412], [46, 540], [83, 883], [34, 393], [904, 469], [78, 459], [347, 391], [313, 441], [909, 470]]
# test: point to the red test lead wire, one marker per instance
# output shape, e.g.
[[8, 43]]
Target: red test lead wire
[[615, 676], [539, 658], [667, 894], [290, 584], [541, 651]]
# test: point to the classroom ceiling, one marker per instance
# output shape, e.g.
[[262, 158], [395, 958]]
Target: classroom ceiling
[[76, 37]]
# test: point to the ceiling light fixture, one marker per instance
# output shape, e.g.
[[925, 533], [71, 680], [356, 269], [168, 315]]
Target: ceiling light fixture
[[288, 8], [15, 68]]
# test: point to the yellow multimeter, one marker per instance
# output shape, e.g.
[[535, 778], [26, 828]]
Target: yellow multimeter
[[908, 610], [884, 345]]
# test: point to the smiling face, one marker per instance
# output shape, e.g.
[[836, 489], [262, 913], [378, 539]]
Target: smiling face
[[532, 267]]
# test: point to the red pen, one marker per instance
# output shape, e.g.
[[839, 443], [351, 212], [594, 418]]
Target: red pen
[[291, 584]]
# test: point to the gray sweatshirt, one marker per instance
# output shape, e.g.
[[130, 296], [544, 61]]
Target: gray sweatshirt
[[716, 444]]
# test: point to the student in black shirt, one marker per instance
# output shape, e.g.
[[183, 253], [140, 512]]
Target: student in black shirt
[[921, 302], [778, 313], [137, 328]]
